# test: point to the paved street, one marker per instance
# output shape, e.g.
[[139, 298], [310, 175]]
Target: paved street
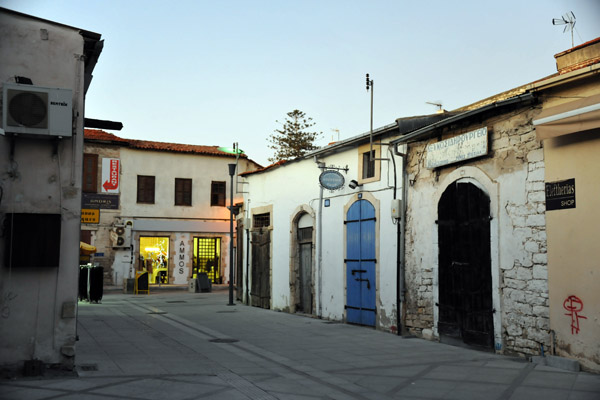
[[179, 345]]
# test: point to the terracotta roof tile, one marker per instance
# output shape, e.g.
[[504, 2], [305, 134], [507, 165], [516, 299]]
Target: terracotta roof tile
[[100, 135], [263, 169]]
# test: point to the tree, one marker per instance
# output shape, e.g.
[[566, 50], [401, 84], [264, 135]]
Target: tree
[[292, 139]]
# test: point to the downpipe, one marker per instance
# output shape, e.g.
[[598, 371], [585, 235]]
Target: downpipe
[[401, 245]]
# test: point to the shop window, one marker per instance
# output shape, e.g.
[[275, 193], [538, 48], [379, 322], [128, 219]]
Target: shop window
[[207, 258], [32, 240], [90, 173], [145, 189], [217, 194], [154, 258], [183, 192]]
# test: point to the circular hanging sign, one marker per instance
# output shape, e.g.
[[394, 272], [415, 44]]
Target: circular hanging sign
[[331, 180]]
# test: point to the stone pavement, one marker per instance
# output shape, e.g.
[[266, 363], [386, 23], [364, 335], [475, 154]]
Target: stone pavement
[[179, 345]]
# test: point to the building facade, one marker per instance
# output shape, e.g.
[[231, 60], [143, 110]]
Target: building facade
[[327, 245], [43, 95], [162, 208]]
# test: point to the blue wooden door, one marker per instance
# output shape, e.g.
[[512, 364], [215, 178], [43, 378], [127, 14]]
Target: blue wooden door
[[360, 264]]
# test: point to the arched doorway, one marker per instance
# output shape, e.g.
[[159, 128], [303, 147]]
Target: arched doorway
[[465, 279], [360, 263]]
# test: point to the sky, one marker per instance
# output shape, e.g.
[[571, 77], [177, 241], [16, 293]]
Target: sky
[[219, 72]]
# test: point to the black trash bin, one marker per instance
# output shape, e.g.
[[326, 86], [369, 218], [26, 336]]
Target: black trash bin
[[96, 284], [204, 284], [83, 282]]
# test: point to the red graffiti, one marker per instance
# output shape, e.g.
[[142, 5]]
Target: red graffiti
[[574, 306]]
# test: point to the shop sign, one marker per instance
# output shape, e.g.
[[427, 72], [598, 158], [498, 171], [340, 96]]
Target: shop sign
[[100, 201], [560, 195], [331, 180], [110, 175], [90, 216], [462, 147]]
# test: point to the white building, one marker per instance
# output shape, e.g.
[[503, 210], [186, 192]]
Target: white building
[[41, 143], [163, 208], [322, 236]]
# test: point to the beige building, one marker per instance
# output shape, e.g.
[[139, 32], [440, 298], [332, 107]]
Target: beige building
[[569, 128], [162, 208]]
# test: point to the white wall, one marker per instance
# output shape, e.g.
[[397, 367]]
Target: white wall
[[296, 183], [38, 304]]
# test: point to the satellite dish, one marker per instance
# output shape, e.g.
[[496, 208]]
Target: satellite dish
[[569, 21]]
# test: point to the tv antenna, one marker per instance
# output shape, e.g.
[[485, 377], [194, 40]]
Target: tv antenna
[[568, 20], [437, 104]]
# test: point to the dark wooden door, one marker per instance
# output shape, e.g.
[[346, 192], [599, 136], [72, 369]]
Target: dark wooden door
[[239, 270], [465, 279], [261, 271]]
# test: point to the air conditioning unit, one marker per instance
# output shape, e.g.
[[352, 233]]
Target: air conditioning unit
[[35, 110], [121, 236]]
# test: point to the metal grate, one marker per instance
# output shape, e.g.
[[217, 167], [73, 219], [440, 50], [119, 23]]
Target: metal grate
[[305, 234], [261, 220], [207, 258]]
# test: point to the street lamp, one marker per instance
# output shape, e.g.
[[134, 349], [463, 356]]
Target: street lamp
[[232, 168]]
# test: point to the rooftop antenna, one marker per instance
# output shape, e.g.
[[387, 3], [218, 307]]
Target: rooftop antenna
[[438, 105], [569, 21], [338, 134]]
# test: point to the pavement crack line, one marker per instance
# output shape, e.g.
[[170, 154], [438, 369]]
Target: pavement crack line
[[519, 379], [244, 350]]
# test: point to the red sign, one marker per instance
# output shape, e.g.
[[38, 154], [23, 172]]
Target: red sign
[[110, 175]]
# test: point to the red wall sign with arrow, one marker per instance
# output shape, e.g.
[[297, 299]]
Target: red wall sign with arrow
[[110, 175]]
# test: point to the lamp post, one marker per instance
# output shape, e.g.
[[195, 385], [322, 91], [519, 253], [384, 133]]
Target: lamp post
[[232, 168]]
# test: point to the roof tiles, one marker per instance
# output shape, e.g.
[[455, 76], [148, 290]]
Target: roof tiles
[[100, 135]]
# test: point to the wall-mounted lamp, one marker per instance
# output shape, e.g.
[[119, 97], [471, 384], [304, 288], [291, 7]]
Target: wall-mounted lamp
[[353, 184]]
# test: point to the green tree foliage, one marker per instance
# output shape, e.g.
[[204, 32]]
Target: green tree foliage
[[293, 138]]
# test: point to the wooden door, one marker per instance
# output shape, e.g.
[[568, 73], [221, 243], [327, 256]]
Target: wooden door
[[465, 279]]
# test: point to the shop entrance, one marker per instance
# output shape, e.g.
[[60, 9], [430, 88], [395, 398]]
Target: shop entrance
[[154, 256], [207, 258]]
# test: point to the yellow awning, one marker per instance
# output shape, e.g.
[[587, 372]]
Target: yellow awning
[[86, 249], [575, 116]]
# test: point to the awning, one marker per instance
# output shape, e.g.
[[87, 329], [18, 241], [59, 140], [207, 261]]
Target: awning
[[86, 249], [575, 116]]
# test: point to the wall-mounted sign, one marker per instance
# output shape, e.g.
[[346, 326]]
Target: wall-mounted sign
[[100, 201], [90, 216], [110, 175], [560, 195], [331, 179], [462, 147]]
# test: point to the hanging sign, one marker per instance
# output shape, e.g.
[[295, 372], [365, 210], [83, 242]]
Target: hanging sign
[[110, 175], [560, 195], [331, 180], [458, 148]]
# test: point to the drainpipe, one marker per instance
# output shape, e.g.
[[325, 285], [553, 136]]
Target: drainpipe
[[401, 283], [321, 165]]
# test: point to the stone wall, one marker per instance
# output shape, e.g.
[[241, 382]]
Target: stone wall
[[515, 167]]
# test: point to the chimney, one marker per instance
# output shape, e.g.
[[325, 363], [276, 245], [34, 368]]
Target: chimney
[[578, 57]]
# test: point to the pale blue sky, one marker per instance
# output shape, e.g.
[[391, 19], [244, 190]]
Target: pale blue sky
[[215, 72]]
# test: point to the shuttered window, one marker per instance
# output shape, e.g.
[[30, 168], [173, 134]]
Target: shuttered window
[[183, 192], [90, 173], [217, 194], [145, 189]]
